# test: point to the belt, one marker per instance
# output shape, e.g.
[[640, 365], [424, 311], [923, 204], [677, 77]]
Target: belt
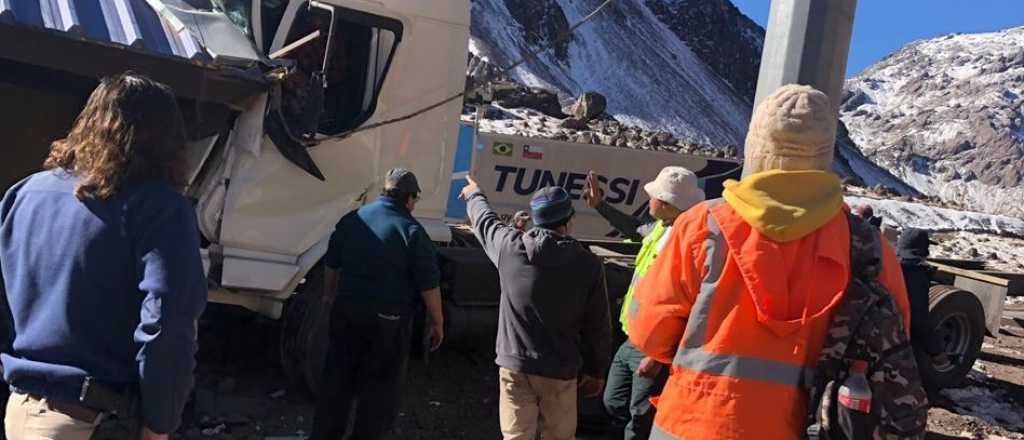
[[73, 410]]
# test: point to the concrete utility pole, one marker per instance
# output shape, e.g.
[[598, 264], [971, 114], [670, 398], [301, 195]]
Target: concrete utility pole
[[807, 42]]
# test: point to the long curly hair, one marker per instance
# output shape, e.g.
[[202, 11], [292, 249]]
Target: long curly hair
[[130, 130]]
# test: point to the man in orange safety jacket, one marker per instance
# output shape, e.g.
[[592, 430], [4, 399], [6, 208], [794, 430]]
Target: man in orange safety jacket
[[741, 297]]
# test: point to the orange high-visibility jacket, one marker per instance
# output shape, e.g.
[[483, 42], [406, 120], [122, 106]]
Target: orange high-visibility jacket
[[742, 320]]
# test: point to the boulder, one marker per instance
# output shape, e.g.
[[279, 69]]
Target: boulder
[[574, 124], [589, 106], [541, 100]]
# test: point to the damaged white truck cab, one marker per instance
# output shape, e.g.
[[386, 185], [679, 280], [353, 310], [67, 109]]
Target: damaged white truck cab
[[267, 218]]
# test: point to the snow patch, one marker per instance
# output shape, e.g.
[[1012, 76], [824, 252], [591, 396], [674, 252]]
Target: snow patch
[[932, 218]]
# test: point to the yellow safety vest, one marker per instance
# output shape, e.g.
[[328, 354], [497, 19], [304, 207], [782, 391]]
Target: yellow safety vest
[[652, 244]]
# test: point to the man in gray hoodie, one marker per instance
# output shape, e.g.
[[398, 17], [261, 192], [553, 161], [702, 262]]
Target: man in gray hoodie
[[553, 322]]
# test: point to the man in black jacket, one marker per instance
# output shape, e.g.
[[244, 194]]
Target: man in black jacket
[[912, 249], [553, 319]]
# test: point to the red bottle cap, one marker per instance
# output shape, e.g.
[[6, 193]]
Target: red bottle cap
[[859, 366]]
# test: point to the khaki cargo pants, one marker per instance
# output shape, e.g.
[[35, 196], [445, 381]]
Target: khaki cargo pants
[[31, 418], [526, 401]]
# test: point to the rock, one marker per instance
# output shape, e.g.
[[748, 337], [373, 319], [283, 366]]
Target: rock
[[538, 99], [665, 138], [574, 124], [589, 105], [497, 114], [973, 253]]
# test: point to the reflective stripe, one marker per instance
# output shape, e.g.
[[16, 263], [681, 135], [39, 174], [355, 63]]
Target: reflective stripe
[[643, 261], [714, 264], [742, 367], [663, 240], [647, 255], [658, 434], [692, 355]]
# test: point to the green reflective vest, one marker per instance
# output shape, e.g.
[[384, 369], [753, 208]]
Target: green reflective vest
[[652, 244]]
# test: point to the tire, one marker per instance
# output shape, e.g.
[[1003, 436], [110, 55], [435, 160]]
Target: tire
[[958, 319], [304, 334]]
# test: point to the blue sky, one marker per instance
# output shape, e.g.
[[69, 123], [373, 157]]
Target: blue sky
[[884, 26]]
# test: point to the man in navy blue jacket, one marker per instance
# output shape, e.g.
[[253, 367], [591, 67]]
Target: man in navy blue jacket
[[103, 278], [380, 264]]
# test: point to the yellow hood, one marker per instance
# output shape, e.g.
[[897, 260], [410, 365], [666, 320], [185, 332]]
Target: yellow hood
[[786, 205]]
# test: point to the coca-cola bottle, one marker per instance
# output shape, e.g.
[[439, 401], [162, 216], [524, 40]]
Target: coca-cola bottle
[[855, 393], [855, 402]]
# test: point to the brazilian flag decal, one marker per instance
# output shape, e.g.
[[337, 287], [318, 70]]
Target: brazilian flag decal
[[502, 149]]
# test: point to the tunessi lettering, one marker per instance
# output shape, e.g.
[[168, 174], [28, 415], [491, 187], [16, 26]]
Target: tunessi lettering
[[526, 181], [503, 172]]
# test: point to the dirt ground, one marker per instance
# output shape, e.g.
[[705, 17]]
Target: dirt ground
[[242, 393]]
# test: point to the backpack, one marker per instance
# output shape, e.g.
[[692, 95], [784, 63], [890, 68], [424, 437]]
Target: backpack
[[867, 326]]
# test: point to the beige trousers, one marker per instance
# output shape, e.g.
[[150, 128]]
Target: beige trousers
[[29, 418], [527, 401]]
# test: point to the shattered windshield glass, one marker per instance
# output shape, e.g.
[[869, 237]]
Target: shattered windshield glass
[[238, 11]]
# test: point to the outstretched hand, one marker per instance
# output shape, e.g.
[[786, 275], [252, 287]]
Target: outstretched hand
[[593, 194], [470, 188]]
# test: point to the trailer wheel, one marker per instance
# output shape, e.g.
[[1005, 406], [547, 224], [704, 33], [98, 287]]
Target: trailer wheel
[[957, 318], [304, 334]]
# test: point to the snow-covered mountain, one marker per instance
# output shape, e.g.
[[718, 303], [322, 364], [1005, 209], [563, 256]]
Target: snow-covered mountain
[[688, 67], [947, 116], [651, 76]]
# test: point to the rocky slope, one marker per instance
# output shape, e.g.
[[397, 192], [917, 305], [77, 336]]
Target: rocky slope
[[651, 76], [720, 35], [947, 116]]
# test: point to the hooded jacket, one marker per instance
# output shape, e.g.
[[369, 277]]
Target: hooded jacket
[[553, 318], [740, 300]]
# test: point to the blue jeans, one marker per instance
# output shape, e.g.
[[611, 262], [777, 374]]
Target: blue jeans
[[627, 395]]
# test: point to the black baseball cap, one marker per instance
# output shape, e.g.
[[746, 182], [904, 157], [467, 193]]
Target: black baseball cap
[[402, 180]]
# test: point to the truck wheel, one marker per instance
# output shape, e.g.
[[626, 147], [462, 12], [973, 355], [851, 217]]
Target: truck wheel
[[957, 318], [304, 334]]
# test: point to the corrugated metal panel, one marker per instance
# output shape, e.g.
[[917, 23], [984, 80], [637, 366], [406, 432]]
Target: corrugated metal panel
[[143, 24]]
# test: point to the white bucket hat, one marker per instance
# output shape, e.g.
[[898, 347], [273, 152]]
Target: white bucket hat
[[676, 186]]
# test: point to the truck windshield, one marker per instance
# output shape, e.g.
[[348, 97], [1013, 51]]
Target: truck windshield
[[358, 55]]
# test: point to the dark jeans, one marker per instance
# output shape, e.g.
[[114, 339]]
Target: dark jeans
[[365, 368], [922, 335], [627, 395]]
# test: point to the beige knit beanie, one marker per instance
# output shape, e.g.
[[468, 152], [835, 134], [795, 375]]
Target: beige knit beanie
[[794, 129]]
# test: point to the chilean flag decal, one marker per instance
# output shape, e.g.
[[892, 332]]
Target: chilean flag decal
[[533, 152]]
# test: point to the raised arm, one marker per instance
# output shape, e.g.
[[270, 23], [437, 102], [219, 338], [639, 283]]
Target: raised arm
[[487, 226], [626, 224]]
